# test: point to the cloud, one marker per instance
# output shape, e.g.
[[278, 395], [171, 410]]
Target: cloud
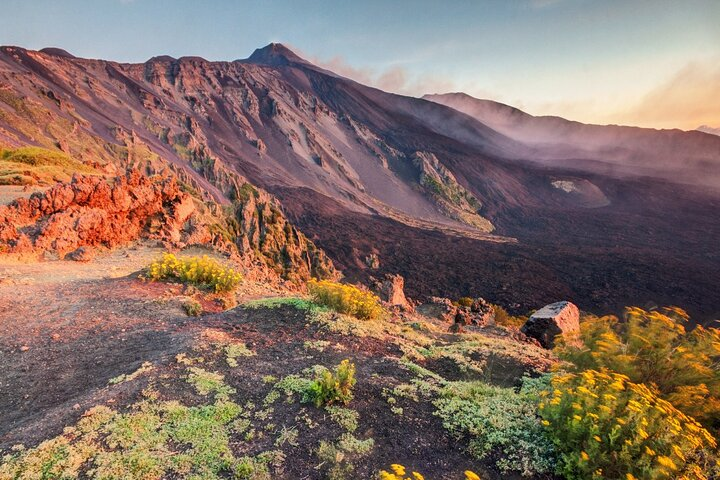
[[687, 100], [393, 79]]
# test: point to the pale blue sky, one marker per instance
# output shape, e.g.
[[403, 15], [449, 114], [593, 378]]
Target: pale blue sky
[[602, 60]]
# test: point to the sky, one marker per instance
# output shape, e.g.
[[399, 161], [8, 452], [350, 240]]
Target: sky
[[653, 63]]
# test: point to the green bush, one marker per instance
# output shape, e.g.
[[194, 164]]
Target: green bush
[[502, 317], [500, 424], [346, 299], [465, 302], [331, 387], [192, 308], [605, 426], [654, 348]]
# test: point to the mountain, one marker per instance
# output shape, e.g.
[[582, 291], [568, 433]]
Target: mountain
[[457, 204], [688, 157], [707, 129]]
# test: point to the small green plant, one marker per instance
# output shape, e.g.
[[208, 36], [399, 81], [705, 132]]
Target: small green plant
[[192, 308], [338, 458], [331, 387], [345, 417], [207, 383], [201, 271], [465, 302], [346, 299], [319, 345], [145, 367], [605, 426]]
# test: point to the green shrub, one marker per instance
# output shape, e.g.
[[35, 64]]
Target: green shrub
[[346, 299], [331, 387], [605, 426], [499, 424], [202, 271], [502, 317], [465, 302], [192, 308], [654, 348]]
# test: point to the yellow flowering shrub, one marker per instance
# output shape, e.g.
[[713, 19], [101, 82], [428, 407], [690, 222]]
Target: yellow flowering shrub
[[605, 426], [202, 271], [654, 348], [345, 298], [398, 472]]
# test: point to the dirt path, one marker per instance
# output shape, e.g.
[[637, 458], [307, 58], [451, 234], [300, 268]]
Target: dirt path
[[66, 328]]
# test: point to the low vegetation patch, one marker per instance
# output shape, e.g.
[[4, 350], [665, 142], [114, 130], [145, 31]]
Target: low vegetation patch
[[500, 424], [35, 165], [202, 271], [346, 299], [337, 458], [235, 350], [155, 439]]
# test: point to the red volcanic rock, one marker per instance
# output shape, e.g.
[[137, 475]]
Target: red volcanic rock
[[90, 211], [391, 291], [82, 254]]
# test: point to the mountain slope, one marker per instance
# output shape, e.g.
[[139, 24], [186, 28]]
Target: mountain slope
[[459, 206], [687, 157]]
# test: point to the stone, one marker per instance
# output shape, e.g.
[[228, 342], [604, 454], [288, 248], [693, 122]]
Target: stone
[[372, 261], [440, 308], [560, 318], [82, 254], [391, 291]]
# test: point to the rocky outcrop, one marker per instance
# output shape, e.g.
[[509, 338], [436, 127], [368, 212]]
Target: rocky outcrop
[[479, 312], [440, 184], [391, 291], [259, 227], [91, 211], [440, 308], [560, 318]]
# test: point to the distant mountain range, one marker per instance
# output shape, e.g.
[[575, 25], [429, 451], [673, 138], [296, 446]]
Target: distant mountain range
[[460, 195], [706, 129], [676, 155]]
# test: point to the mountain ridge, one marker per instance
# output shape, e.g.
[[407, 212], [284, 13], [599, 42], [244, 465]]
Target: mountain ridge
[[387, 165]]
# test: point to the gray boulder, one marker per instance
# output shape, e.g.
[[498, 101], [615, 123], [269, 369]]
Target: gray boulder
[[560, 318]]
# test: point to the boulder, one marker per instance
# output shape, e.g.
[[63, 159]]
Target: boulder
[[391, 291], [560, 318]]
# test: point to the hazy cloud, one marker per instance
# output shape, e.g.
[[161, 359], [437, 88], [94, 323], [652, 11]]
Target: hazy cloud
[[687, 100], [394, 79], [690, 98]]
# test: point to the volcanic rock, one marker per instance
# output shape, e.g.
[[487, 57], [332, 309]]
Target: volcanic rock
[[82, 254], [89, 211], [560, 318], [391, 291]]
